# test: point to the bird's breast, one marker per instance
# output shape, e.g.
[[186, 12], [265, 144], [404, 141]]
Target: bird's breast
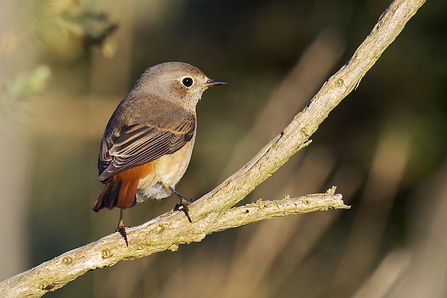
[[168, 169]]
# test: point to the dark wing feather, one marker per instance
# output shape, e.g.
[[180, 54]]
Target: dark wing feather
[[138, 144]]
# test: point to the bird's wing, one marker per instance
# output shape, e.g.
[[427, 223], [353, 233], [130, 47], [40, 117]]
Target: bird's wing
[[137, 144]]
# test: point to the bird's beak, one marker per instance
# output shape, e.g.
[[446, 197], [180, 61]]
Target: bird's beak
[[211, 82]]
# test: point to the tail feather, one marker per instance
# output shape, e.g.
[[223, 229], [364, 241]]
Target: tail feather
[[121, 191], [120, 194]]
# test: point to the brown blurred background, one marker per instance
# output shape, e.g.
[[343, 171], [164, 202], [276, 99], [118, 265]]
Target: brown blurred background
[[65, 65]]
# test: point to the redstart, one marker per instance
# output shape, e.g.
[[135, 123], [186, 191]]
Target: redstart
[[148, 141]]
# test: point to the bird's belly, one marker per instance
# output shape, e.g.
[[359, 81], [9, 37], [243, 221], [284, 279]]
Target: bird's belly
[[168, 170]]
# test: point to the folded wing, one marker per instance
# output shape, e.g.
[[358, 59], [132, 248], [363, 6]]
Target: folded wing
[[133, 145]]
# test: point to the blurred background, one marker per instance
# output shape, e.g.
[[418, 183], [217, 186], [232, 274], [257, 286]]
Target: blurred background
[[66, 64]]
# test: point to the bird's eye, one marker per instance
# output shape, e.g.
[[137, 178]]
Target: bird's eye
[[187, 82]]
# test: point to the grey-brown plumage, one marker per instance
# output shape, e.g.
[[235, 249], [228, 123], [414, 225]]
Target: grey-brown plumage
[[134, 137], [148, 141]]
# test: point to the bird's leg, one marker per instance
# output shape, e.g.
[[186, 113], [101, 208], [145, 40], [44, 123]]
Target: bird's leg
[[183, 205], [121, 227]]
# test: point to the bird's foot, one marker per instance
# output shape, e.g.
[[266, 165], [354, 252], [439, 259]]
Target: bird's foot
[[183, 206], [184, 202], [122, 228]]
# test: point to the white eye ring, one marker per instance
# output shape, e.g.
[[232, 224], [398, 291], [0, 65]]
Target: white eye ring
[[187, 82]]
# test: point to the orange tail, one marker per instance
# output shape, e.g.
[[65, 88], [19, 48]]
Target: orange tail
[[121, 192]]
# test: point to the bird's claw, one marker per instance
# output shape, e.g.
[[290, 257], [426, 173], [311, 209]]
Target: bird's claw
[[183, 206]]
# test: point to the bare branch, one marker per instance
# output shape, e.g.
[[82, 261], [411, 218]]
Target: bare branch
[[261, 210], [162, 233], [213, 211]]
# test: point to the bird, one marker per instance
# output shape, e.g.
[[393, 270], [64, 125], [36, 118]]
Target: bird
[[148, 142]]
